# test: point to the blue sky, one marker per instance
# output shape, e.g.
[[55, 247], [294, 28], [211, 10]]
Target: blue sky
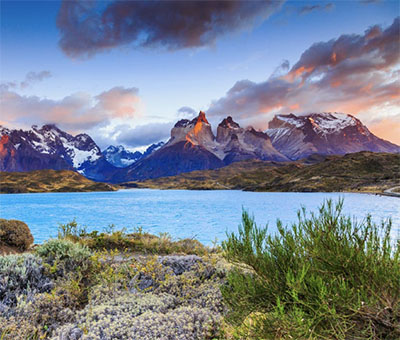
[[165, 81]]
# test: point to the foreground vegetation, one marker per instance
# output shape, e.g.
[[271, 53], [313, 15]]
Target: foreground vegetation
[[360, 172], [325, 277], [48, 181]]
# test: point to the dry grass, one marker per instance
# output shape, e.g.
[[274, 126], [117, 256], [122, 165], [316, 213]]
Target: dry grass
[[48, 181], [359, 172]]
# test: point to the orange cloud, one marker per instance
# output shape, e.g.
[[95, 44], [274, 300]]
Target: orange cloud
[[77, 112], [388, 128], [121, 102], [355, 74]]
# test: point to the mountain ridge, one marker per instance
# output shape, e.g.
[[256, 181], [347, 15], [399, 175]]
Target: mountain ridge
[[192, 146], [328, 133], [51, 148]]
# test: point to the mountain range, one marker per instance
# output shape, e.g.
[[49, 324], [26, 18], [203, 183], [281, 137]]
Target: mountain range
[[192, 146], [121, 158], [324, 133]]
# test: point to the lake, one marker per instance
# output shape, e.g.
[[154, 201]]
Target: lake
[[205, 215]]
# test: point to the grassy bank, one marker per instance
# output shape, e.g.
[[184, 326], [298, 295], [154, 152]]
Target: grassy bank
[[49, 181], [359, 172], [324, 277]]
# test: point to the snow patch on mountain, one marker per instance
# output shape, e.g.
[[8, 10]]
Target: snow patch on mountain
[[326, 133], [324, 123], [79, 151], [120, 157]]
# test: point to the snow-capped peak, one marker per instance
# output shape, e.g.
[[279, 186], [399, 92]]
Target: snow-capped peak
[[322, 123], [325, 133], [120, 157]]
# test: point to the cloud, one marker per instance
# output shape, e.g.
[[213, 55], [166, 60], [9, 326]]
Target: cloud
[[357, 74], [388, 127], [77, 112], [33, 77], [311, 8], [90, 27], [142, 135], [186, 112], [367, 2], [119, 101], [30, 78]]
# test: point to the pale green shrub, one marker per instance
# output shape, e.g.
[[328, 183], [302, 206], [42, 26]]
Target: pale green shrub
[[64, 255], [113, 317], [185, 323], [21, 275]]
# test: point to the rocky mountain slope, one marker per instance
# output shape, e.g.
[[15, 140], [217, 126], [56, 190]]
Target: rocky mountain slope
[[193, 146], [51, 148], [239, 144], [323, 133]]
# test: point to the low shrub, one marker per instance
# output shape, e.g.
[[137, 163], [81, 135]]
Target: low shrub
[[326, 277], [112, 318], [142, 316], [138, 241], [180, 294], [46, 312], [186, 323], [15, 233], [15, 327], [64, 256], [21, 275], [71, 231]]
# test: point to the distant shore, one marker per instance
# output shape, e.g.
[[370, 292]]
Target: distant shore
[[363, 172]]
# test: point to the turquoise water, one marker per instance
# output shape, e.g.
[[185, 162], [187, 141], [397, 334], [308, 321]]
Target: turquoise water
[[205, 215]]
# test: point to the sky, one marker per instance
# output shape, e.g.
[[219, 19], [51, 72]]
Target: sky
[[125, 71]]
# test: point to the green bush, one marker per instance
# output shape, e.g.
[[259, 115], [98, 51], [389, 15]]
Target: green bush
[[15, 233], [326, 277], [64, 255], [138, 241], [71, 231]]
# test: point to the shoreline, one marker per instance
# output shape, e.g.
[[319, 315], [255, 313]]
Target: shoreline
[[386, 192]]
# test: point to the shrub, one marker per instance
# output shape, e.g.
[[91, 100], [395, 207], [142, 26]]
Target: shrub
[[168, 297], [326, 277], [15, 233], [13, 328], [64, 256], [46, 312], [71, 231], [143, 316], [184, 323], [21, 275], [140, 241], [112, 318]]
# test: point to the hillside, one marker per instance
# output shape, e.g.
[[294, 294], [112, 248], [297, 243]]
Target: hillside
[[48, 181], [363, 171]]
